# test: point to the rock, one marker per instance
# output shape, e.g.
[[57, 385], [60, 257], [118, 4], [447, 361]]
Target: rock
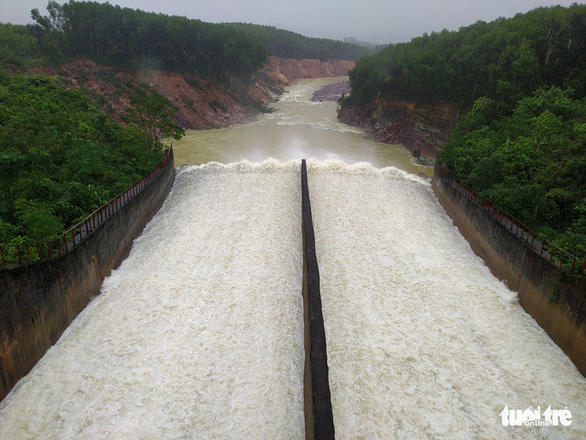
[[423, 129], [332, 92]]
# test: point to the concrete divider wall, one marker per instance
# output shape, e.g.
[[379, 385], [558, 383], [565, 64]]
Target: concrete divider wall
[[319, 420], [39, 301], [556, 300]]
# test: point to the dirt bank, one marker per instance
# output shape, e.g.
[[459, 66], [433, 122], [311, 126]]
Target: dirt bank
[[423, 129], [202, 103], [302, 69]]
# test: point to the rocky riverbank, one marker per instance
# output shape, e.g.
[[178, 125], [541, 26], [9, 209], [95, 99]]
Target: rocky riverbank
[[423, 129], [332, 92]]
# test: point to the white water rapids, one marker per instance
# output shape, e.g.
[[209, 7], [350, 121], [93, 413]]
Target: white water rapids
[[199, 333]]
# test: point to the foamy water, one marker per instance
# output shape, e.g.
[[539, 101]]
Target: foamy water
[[198, 335], [423, 342]]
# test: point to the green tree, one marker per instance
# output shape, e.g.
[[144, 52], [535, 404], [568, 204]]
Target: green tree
[[61, 157], [50, 30], [154, 115], [531, 162]]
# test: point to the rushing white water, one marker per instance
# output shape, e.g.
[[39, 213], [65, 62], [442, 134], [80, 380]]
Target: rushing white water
[[197, 335], [423, 342]]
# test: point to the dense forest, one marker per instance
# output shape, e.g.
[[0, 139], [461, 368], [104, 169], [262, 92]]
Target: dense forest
[[287, 44], [62, 156], [135, 39], [504, 60], [522, 83]]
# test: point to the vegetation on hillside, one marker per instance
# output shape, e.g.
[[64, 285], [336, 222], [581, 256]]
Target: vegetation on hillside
[[532, 162], [135, 39], [504, 60], [287, 44], [62, 156], [523, 142], [18, 47]]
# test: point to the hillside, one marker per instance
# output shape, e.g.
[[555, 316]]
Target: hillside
[[287, 44], [85, 113], [519, 84]]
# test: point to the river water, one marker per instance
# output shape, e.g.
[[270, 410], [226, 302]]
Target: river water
[[299, 129], [198, 334]]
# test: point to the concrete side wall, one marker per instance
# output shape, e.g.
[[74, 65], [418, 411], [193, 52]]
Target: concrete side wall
[[39, 301], [557, 301]]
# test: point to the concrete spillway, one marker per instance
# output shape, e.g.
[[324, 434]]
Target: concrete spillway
[[423, 342], [199, 334]]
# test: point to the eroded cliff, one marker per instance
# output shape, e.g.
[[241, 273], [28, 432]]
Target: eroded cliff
[[423, 129], [201, 103]]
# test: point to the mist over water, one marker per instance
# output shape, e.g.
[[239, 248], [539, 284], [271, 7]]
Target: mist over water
[[199, 333]]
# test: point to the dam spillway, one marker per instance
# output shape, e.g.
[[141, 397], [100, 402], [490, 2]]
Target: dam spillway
[[199, 333], [423, 341]]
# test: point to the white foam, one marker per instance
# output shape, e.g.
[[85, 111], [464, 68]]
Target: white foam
[[423, 342], [197, 335]]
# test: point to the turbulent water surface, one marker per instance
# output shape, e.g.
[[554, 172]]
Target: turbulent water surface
[[297, 129], [199, 333]]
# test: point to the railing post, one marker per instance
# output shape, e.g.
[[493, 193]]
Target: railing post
[[39, 250], [3, 259], [19, 256], [49, 249]]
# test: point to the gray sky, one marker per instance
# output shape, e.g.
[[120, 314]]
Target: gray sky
[[376, 21]]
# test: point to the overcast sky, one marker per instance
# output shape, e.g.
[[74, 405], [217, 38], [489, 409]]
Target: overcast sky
[[376, 21]]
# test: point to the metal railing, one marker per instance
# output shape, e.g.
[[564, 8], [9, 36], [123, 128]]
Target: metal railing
[[538, 243], [19, 255]]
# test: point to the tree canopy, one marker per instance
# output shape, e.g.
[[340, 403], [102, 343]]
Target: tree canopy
[[532, 162], [287, 44], [523, 82], [136, 39], [62, 156], [504, 60]]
